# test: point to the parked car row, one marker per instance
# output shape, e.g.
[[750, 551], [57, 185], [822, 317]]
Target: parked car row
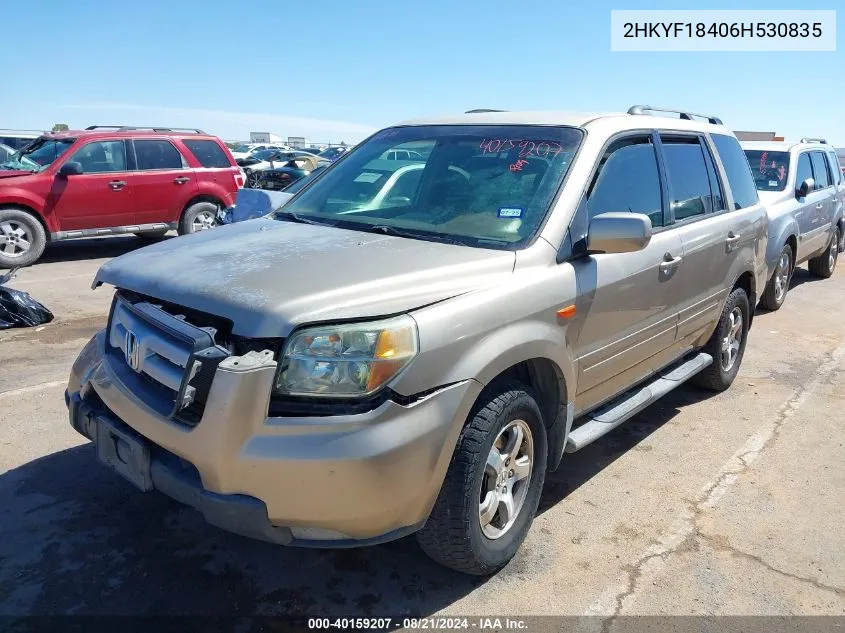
[[427, 327]]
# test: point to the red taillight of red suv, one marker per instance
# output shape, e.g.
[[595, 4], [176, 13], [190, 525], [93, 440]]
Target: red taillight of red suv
[[239, 179]]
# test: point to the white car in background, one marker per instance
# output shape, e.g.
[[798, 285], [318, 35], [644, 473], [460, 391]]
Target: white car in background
[[248, 149]]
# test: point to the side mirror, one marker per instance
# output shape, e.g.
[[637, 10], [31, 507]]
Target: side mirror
[[805, 187], [70, 168], [618, 233]]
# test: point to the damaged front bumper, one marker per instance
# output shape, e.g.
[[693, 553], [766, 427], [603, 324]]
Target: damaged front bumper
[[331, 481]]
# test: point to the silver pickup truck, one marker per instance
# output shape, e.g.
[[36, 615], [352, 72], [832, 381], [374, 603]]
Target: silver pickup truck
[[802, 187], [355, 368]]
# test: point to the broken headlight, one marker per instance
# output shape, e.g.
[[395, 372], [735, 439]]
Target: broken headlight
[[346, 360]]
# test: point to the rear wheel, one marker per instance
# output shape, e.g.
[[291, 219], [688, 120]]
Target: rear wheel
[[22, 238], [200, 216], [775, 293], [727, 345], [824, 265], [492, 488]]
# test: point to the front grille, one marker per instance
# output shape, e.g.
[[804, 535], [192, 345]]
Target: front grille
[[165, 360]]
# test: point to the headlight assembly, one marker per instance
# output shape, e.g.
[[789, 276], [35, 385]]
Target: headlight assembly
[[354, 359]]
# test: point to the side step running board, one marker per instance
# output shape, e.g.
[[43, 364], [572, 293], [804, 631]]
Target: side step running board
[[610, 416]]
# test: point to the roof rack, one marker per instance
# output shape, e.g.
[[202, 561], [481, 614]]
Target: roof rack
[[128, 128], [482, 110], [814, 140], [643, 109]]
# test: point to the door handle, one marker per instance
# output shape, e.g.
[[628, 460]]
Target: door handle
[[670, 262], [181, 180], [733, 238], [117, 185]]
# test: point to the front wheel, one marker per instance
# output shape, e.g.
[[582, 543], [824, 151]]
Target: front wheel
[[492, 488], [22, 238], [727, 345], [824, 265], [775, 293]]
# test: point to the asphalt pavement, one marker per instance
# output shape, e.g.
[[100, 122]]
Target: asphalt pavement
[[728, 504]]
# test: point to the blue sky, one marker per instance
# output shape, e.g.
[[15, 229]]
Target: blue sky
[[335, 70]]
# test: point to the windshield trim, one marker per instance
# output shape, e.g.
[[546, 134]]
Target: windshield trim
[[520, 245]]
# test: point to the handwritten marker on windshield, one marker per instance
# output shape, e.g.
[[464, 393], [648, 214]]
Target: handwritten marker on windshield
[[567, 313]]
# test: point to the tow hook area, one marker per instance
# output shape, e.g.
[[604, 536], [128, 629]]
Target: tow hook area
[[248, 362]]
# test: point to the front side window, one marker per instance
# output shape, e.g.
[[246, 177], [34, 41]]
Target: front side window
[[686, 171], [737, 170], [38, 155], [154, 154], [627, 180], [820, 172], [805, 169], [770, 169], [208, 153], [101, 157], [479, 185]]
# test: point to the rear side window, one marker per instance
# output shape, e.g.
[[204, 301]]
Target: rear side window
[[155, 154], [805, 170], [820, 172], [627, 180], [686, 171], [835, 169], [208, 153], [738, 172]]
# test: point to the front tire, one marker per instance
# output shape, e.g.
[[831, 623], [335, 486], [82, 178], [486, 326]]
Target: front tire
[[492, 487], [152, 235], [775, 293], [200, 216], [727, 345], [824, 265], [22, 238]]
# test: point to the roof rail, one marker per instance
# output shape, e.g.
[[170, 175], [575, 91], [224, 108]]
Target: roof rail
[[643, 109], [482, 110], [814, 140], [128, 128]]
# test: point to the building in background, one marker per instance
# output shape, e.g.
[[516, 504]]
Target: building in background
[[298, 142], [758, 136], [264, 137]]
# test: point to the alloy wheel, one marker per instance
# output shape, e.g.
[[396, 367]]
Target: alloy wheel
[[782, 275], [507, 475], [203, 221], [15, 239], [833, 251], [732, 342]]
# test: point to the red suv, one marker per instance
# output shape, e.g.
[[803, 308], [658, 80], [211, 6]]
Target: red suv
[[108, 180]]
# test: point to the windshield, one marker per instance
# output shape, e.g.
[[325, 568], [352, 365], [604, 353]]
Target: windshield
[[770, 169], [38, 155], [480, 185], [241, 149], [265, 154]]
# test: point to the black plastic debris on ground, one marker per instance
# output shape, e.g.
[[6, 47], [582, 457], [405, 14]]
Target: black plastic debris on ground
[[18, 309]]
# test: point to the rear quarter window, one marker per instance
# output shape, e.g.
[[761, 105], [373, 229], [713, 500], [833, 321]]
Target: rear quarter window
[[207, 152], [737, 170]]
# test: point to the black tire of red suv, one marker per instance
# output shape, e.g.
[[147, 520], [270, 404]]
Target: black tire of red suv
[[151, 235], [453, 535], [190, 215], [22, 227], [715, 376]]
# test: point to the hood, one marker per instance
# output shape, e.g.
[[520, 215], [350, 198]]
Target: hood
[[8, 173], [268, 276]]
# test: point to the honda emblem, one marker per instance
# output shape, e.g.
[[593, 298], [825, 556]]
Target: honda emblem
[[132, 351]]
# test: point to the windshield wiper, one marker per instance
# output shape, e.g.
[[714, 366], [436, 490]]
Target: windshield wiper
[[293, 217], [413, 235]]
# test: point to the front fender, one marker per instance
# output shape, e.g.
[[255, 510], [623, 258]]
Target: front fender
[[780, 231]]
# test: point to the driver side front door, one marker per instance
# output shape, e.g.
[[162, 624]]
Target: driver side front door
[[101, 196]]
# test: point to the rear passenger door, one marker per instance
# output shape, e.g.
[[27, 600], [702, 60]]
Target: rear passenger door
[[822, 210], [629, 318], [163, 181], [710, 236]]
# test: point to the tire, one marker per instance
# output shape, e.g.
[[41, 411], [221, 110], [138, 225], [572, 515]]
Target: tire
[[22, 238], [824, 265], [453, 535], [775, 293], [719, 375], [152, 235], [198, 217]]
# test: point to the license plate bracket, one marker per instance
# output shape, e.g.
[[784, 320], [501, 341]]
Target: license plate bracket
[[125, 452]]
